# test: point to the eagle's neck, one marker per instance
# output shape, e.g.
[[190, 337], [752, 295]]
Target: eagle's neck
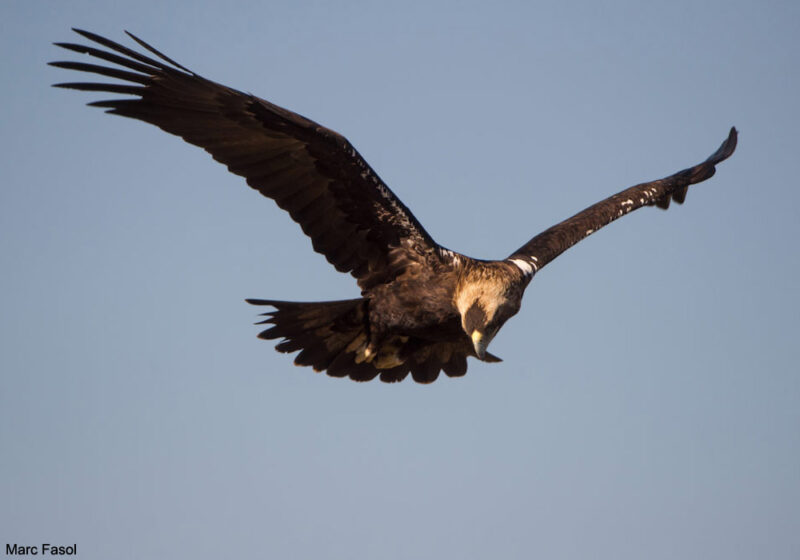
[[488, 285]]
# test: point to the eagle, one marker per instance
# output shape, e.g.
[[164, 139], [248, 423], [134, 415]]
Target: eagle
[[423, 308]]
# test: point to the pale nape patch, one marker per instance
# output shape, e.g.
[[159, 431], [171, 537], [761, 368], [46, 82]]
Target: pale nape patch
[[487, 290]]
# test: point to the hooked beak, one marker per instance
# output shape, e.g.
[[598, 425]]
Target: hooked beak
[[479, 342]]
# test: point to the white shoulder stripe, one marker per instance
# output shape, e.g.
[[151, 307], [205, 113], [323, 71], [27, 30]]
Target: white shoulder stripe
[[526, 267]]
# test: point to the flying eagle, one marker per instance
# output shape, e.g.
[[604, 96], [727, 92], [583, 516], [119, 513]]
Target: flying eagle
[[423, 308]]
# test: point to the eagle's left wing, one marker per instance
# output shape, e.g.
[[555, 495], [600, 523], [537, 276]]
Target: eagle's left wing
[[546, 246]]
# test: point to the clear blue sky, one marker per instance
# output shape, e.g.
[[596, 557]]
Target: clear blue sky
[[648, 405]]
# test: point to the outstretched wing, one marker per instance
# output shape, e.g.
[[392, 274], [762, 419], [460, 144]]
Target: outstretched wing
[[310, 171], [552, 242]]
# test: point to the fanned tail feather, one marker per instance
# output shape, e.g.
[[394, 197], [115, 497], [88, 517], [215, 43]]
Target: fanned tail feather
[[331, 336], [324, 332]]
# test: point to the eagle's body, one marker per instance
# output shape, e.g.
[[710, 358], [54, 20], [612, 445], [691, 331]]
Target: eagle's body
[[423, 308]]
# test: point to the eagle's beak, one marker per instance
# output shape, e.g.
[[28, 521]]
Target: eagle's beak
[[479, 343]]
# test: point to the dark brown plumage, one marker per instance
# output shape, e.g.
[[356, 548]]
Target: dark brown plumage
[[424, 309]]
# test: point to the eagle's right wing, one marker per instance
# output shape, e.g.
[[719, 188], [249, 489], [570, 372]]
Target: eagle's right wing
[[546, 246], [310, 171]]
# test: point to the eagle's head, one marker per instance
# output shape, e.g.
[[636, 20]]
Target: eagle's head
[[486, 297]]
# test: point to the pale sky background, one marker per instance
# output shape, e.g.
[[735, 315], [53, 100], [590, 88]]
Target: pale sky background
[[648, 405]]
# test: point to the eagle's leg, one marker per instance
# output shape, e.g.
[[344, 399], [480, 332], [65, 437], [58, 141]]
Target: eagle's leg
[[381, 349], [370, 347]]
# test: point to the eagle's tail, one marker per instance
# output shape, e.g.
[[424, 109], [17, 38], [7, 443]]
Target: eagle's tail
[[335, 335], [327, 333]]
